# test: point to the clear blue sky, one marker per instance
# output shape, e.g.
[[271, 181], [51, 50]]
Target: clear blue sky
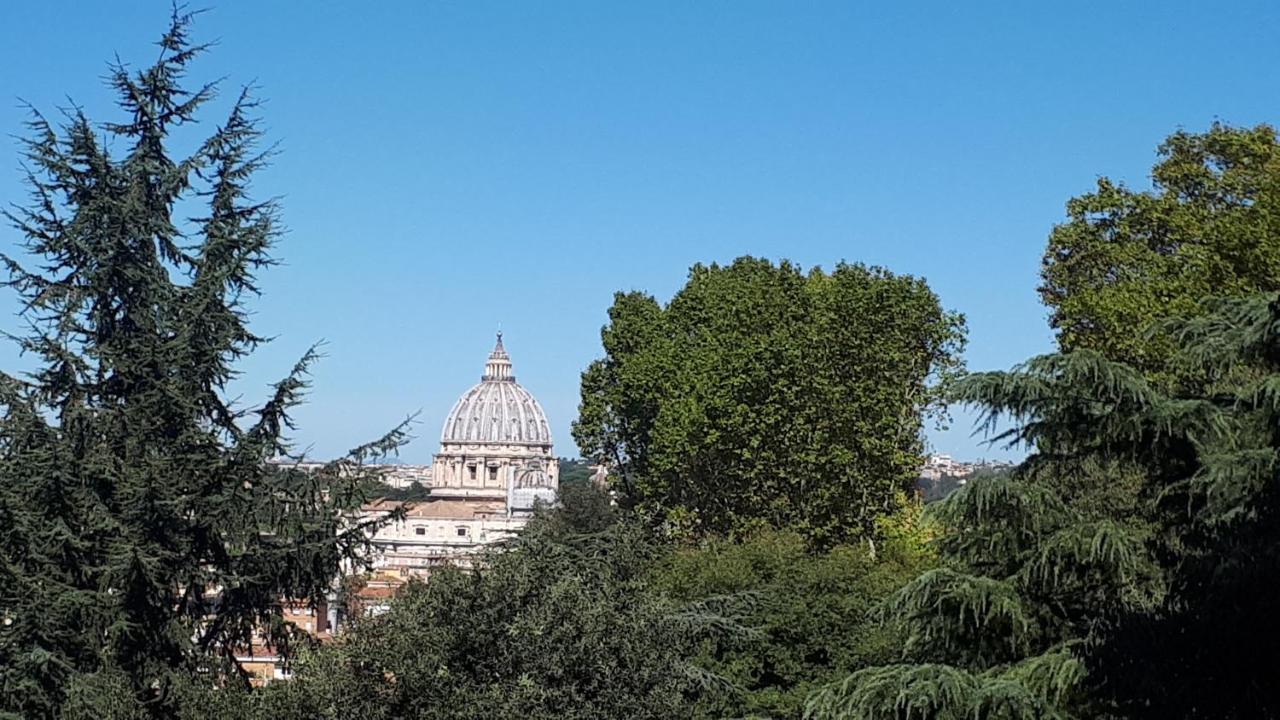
[[449, 167]]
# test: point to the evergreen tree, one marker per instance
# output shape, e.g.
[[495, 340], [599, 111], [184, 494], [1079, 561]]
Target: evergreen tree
[[1210, 649], [1153, 465], [1059, 605], [144, 537], [994, 631]]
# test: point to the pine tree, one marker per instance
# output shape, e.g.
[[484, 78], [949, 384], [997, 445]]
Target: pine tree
[[1058, 605], [1036, 561], [1210, 649], [994, 631], [144, 536]]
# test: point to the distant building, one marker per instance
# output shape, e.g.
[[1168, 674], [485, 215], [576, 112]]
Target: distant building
[[402, 476], [264, 664], [940, 466], [600, 476], [941, 474], [495, 464]]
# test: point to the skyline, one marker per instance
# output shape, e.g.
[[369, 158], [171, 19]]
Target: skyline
[[475, 167]]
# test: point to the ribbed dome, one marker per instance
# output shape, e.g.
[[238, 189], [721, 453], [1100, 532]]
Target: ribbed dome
[[498, 410]]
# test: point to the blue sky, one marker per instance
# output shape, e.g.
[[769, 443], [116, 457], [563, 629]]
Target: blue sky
[[451, 167]]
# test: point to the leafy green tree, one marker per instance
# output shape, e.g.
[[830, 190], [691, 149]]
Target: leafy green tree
[[1125, 261], [144, 537], [761, 395], [1149, 488], [558, 624], [811, 613], [583, 508], [1056, 607], [932, 490]]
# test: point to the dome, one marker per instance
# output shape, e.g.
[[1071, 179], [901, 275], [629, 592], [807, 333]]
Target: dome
[[498, 411]]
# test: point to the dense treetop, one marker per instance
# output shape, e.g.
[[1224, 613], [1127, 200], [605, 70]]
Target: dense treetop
[[812, 613], [557, 623], [1126, 260], [764, 395]]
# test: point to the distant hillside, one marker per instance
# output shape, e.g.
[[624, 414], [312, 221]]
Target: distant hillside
[[574, 471], [935, 489]]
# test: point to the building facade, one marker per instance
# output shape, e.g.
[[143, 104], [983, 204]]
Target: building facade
[[494, 466]]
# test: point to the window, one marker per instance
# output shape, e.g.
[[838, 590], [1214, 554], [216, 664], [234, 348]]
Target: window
[[462, 532], [471, 471], [419, 531], [493, 472]]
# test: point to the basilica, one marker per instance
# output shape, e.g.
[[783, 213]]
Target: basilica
[[494, 465]]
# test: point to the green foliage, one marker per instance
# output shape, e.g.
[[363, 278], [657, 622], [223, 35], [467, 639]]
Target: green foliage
[[413, 491], [811, 613], [559, 624], [573, 472], [143, 535], [933, 490], [582, 508], [1212, 639], [764, 396], [1159, 607], [1126, 261], [1034, 690], [993, 633], [1207, 457]]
